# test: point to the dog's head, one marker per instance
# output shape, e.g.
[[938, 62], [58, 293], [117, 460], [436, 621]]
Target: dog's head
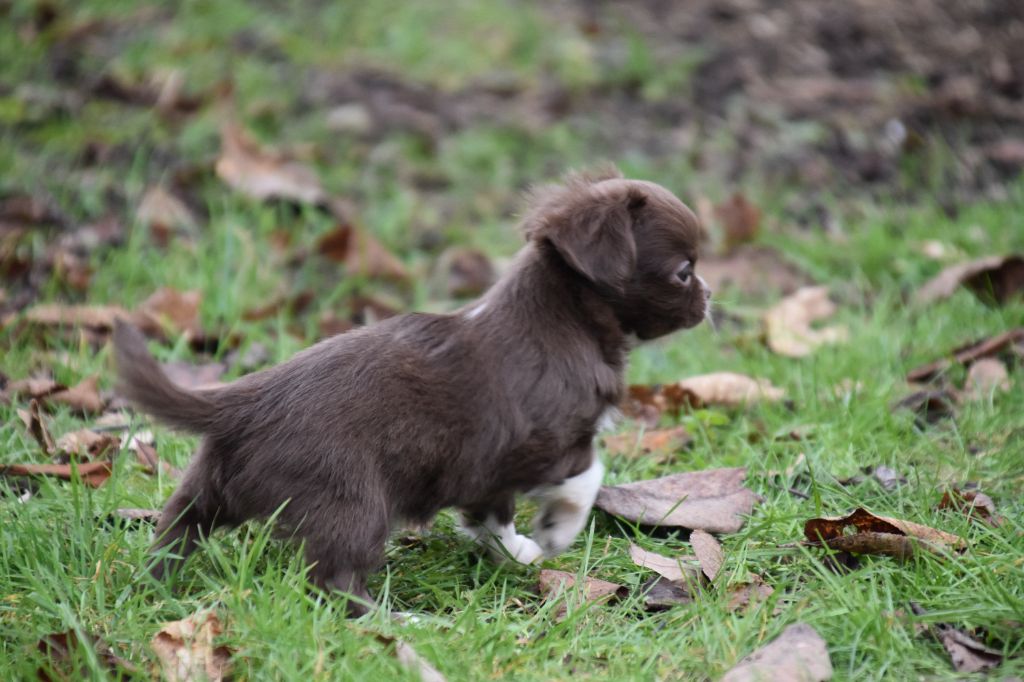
[[632, 240]]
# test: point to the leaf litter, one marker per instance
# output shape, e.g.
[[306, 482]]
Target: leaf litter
[[862, 532], [187, 649], [799, 654], [553, 584], [967, 654], [788, 324], [993, 279]]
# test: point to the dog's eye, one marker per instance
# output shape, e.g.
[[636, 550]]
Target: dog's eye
[[685, 273]]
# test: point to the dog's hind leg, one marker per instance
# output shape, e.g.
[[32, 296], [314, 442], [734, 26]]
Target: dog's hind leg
[[565, 507], [188, 516], [345, 542], [490, 525]]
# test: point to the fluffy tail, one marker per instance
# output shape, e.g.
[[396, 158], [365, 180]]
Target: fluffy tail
[[144, 384]]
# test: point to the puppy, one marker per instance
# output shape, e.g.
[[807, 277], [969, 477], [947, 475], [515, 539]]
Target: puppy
[[393, 422]]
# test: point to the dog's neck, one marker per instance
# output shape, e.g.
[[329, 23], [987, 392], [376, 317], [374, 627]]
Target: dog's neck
[[542, 292]]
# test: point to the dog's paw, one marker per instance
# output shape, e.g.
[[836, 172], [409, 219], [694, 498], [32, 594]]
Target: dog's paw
[[522, 549], [557, 526]]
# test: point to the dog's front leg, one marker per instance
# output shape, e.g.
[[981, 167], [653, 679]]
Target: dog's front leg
[[565, 507], [490, 525]]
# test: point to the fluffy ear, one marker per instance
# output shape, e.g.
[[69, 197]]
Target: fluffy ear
[[590, 224]]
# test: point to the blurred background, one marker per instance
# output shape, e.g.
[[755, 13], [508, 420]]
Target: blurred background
[[278, 156]]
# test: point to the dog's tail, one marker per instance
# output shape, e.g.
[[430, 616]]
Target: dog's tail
[[144, 384]]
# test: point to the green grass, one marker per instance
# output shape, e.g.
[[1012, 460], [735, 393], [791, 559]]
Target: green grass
[[64, 565]]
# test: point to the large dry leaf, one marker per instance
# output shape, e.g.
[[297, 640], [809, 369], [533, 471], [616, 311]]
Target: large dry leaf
[[878, 535], [974, 503], [968, 354], [930, 406], [361, 253], [754, 591], [658, 444], [967, 654], [175, 311], [33, 420], [553, 584], [94, 474], [660, 593], [262, 174], [86, 444], [714, 500], [410, 659], [164, 213], [752, 270], [709, 553], [150, 459], [95, 317], [799, 654], [670, 568], [187, 652], [788, 329], [994, 280], [58, 648], [728, 389], [83, 397], [986, 377]]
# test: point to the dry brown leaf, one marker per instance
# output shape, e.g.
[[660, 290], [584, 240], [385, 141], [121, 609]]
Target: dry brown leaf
[[985, 377], [163, 213], [974, 503], [753, 271], [660, 593], [742, 595], [788, 329], [262, 174], [553, 583], [135, 514], [713, 500], [38, 387], [930, 406], [58, 648], [799, 654], [175, 311], [187, 652], [93, 474], [95, 317], [878, 535], [33, 420], [150, 460], [86, 444], [410, 659], [728, 389], [672, 569], [709, 553], [740, 220], [464, 272], [83, 397], [361, 253], [657, 443], [994, 280], [967, 654], [968, 354]]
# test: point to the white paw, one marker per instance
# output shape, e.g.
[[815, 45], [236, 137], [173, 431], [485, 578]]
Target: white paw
[[564, 509], [523, 550], [503, 542]]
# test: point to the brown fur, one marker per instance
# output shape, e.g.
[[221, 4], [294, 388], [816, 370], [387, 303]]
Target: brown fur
[[395, 421]]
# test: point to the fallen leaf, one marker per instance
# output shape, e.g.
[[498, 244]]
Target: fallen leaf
[[974, 503], [86, 444], [967, 654], [709, 553], [788, 328], [464, 272], [38, 387], [150, 460], [878, 535], [59, 647], [262, 174], [134, 514], [751, 270], [175, 311], [930, 406], [994, 280], [728, 389], [657, 443], [713, 500], [33, 420], [660, 593], [742, 595], [799, 654], [93, 474], [553, 583], [361, 253], [191, 376], [886, 477], [740, 220], [670, 568], [83, 397], [187, 652], [986, 377], [410, 659], [164, 214], [968, 354], [96, 317]]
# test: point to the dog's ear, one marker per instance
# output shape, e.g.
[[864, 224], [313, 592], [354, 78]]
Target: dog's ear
[[590, 225]]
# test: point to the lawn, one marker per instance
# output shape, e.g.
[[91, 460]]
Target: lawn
[[423, 176]]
